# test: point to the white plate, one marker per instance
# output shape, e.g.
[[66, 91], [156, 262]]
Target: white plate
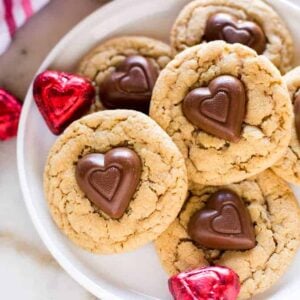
[[135, 275]]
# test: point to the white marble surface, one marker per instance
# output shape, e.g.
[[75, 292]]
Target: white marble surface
[[27, 270]]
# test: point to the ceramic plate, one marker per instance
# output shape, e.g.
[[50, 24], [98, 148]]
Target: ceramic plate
[[138, 274]]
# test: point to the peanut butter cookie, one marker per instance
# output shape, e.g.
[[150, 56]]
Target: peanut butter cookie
[[275, 215], [114, 181], [124, 71], [289, 166], [249, 22], [227, 109]]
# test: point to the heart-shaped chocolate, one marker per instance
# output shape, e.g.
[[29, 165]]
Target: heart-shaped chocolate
[[224, 223], [130, 85], [233, 35], [222, 26], [10, 110], [129, 82], [210, 107], [228, 221], [106, 182], [297, 114], [62, 98], [109, 180], [218, 109]]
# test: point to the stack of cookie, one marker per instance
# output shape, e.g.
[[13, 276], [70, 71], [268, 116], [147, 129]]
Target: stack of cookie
[[203, 174]]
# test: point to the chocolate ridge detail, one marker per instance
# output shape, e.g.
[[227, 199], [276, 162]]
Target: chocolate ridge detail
[[130, 85], [224, 223], [109, 180], [297, 115], [223, 26], [218, 109]]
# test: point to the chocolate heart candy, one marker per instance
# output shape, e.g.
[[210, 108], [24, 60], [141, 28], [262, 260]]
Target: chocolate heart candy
[[218, 109], [62, 98], [10, 110], [130, 85], [297, 115], [224, 223], [109, 180], [226, 27]]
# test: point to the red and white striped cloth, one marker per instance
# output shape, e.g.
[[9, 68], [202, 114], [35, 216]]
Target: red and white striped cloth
[[13, 14]]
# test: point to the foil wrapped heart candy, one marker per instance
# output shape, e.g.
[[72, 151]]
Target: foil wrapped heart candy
[[62, 98], [10, 110], [207, 283]]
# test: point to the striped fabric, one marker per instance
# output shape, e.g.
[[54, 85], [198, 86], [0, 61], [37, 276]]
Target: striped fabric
[[13, 14]]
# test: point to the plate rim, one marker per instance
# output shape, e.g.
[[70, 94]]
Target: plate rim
[[75, 273], [64, 262]]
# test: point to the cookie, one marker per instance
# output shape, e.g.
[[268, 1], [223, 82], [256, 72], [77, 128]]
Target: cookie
[[275, 216], [227, 109], [124, 70], [150, 173], [249, 22], [289, 166]]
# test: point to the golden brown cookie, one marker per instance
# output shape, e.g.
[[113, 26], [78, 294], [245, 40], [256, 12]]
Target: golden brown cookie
[[289, 166], [158, 197], [250, 22], [275, 215], [265, 130], [124, 71]]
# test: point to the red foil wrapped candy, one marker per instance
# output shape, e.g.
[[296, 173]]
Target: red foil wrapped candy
[[62, 98], [208, 283], [10, 110]]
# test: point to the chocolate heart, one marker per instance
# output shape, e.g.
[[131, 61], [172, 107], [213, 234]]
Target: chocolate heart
[[129, 82], [62, 98], [106, 182], [222, 26], [218, 109], [10, 110], [109, 180], [130, 85], [228, 221], [224, 223], [235, 35], [210, 107], [297, 115]]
